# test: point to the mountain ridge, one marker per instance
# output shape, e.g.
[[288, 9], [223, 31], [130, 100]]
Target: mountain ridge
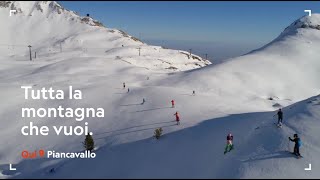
[[50, 29]]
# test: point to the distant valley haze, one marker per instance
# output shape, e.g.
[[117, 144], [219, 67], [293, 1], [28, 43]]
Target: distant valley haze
[[220, 29]]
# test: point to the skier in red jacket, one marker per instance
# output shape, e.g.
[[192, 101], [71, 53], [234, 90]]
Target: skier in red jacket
[[172, 103], [177, 117]]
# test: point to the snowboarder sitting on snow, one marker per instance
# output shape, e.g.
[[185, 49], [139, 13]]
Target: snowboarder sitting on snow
[[229, 146], [177, 117], [297, 144], [158, 132]]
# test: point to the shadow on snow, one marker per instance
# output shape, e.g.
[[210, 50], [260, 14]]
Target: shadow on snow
[[193, 152]]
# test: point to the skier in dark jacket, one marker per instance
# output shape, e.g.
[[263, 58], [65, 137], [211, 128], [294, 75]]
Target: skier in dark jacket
[[143, 101], [280, 117], [297, 144]]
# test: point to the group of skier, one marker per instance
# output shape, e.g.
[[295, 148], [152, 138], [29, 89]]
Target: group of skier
[[124, 86], [296, 139], [172, 105], [158, 131], [230, 146], [175, 114]]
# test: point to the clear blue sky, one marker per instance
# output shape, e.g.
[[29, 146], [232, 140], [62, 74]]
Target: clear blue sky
[[221, 29]]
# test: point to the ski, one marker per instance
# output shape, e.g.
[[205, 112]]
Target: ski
[[298, 157], [278, 125]]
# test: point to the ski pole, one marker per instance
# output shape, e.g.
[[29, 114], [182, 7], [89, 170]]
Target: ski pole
[[289, 145]]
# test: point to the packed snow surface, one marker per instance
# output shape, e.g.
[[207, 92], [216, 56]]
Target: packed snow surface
[[240, 96]]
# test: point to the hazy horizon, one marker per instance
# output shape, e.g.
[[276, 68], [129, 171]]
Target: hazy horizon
[[216, 51], [220, 29]]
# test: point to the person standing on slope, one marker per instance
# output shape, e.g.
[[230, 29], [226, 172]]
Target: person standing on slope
[[177, 117], [172, 103], [229, 145], [128, 90], [297, 141], [280, 117], [124, 85], [143, 101], [193, 92]]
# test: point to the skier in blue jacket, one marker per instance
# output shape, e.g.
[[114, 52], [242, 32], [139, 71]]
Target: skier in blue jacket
[[297, 141]]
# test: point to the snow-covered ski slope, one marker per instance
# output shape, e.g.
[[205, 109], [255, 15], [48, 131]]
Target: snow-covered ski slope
[[230, 97], [261, 150], [287, 68]]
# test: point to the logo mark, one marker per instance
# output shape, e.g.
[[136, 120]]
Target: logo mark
[[31, 155], [41, 153]]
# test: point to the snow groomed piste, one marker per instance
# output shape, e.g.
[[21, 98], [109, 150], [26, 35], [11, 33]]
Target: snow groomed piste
[[239, 96]]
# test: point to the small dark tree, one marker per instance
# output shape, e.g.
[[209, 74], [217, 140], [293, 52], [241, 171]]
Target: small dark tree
[[88, 143], [158, 133]]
